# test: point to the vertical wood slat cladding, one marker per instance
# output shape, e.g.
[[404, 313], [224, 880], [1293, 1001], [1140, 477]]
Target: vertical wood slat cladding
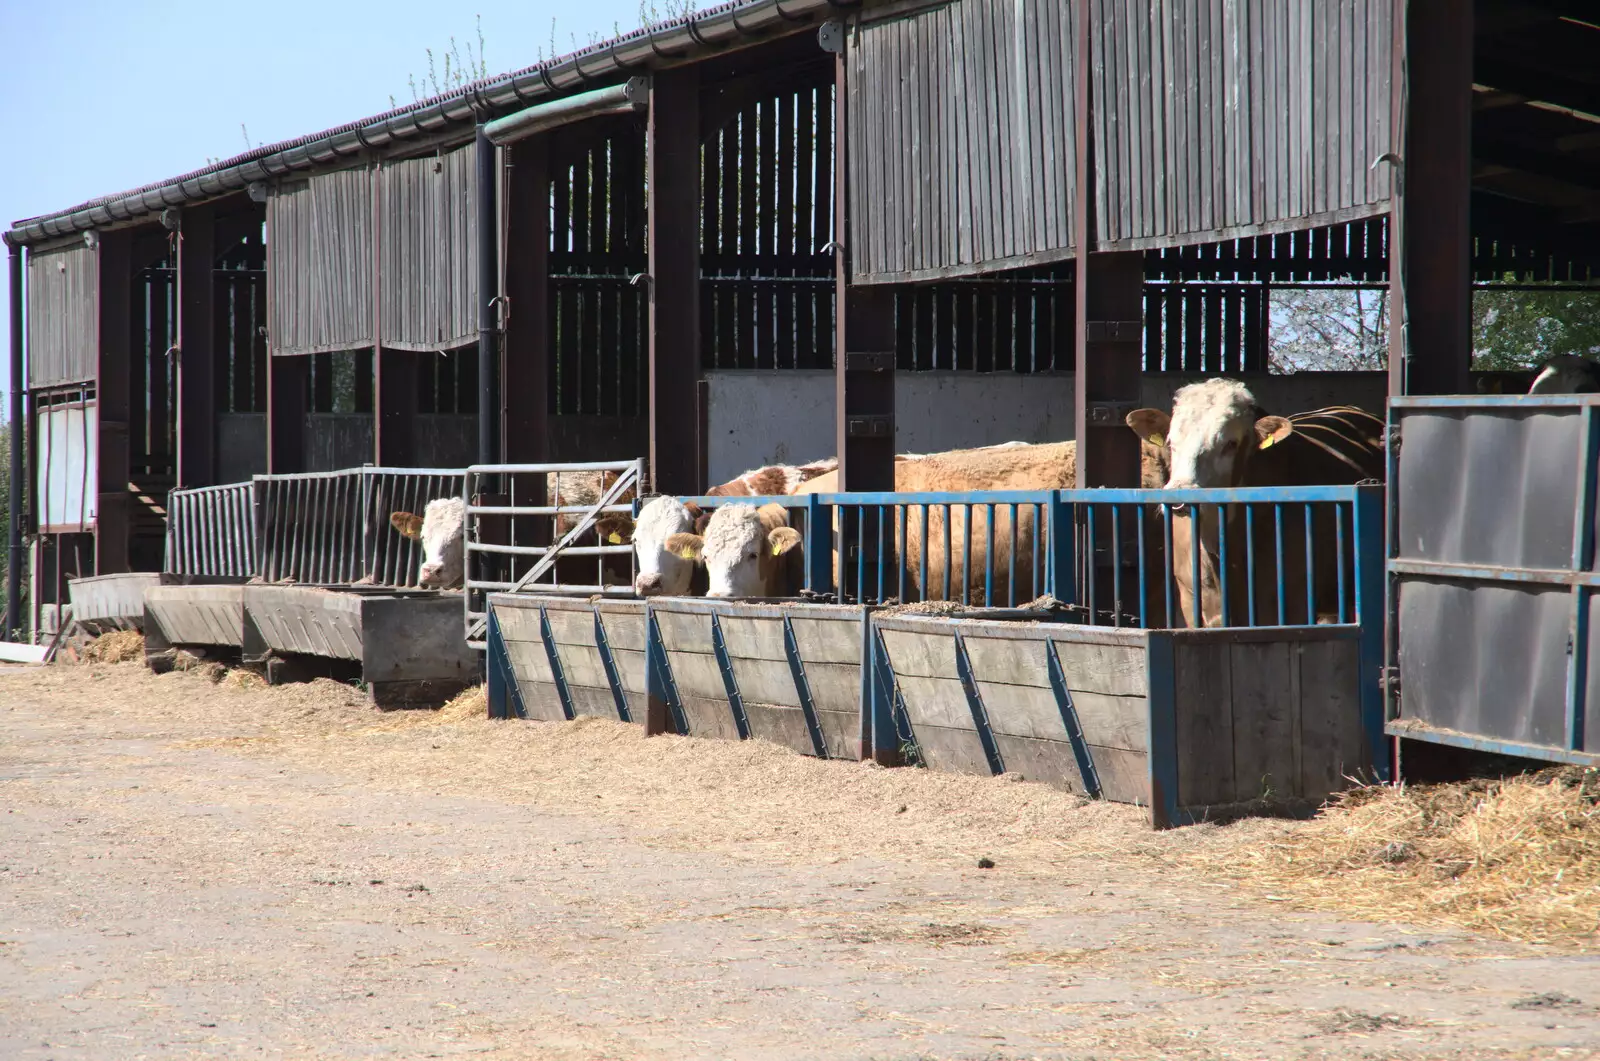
[[960, 127], [428, 251], [62, 301], [1214, 116]]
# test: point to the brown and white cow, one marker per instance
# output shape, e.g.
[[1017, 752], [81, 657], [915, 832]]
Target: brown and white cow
[[747, 552], [1009, 466], [659, 545], [1217, 437], [439, 529]]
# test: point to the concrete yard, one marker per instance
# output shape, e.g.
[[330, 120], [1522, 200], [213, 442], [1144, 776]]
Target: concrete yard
[[195, 869]]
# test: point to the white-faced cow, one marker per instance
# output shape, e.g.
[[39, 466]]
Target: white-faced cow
[[1216, 436], [747, 552], [439, 529], [664, 532]]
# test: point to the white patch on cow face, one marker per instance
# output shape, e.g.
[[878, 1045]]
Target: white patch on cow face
[[1213, 424], [735, 538], [661, 571], [442, 553]]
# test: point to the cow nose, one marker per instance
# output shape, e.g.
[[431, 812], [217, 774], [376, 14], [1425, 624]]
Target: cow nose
[[647, 585], [429, 575]]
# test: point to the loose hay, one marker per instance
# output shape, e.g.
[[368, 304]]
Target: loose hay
[[1518, 857], [244, 679], [471, 703], [119, 646]]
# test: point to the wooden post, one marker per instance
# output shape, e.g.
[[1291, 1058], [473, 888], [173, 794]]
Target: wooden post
[[197, 351], [1430, 246], [287, 381], [864, 347], [1109, 294], [113, 519], [526, 343], [674, 239]]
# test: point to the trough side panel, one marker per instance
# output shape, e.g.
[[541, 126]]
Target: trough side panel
[[836, 696], [917, 654], [1264, 723], [1203, 674], [570, 627], [1333, 746], [199, 615], [625, 630], [748, 638], [414, 638], [835, 640]]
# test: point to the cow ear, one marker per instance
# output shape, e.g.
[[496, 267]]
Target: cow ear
[[1272, 430], [694, 510], [615, 530], [406, 524], [783, 539], [1152, 425], [701, 522], [687, 546]]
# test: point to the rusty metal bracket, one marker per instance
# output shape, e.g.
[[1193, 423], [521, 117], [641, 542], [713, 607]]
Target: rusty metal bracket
[[872, 426], [1114, 331], [1110, 414], [869, 361]]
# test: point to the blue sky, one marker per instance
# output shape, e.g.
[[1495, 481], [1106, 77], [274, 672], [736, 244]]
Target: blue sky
[[99, 97]]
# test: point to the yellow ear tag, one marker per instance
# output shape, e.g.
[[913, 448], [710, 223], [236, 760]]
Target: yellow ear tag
[[614, 538], [1157, 439], [1268, 441], [777, 550], [687, 554]]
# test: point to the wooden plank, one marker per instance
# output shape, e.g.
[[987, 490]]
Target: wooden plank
[[630, 669], [1263, 723], [834, 686], [935, 702], [595, 702], [684, 631], [1115, 670], [953, 750], [765, 681], [779, 724], [827, 640], [529, 662], [1014, 661], [923, 655], [1331, 744], [1040, 760], [748, 638], [519, 624], [541, 701], [624, 630], [1124, 775], [581, 665], [1024, 711], [697, 674], [1202, 678], [14, 652], [709, 718], [571, 627]]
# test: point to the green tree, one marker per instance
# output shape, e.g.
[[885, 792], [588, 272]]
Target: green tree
[[1516, 328]]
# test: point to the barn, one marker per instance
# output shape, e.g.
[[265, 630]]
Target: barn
[[777, 230]]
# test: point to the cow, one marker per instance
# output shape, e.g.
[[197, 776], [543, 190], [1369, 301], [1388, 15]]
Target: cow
[[439, 529], [662, 534], [1009, 466], [1216, 436], [774, 480], [747, 552], [1566, 374]]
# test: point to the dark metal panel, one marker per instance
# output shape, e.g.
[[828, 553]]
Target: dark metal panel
[[62, 339], [957, 117], [320, 264]]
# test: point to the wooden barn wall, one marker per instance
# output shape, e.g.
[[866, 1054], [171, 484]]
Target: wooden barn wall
[[428, 252], [63, 317], [320, 238], [960, 140], [598, 337], [1213, 117]]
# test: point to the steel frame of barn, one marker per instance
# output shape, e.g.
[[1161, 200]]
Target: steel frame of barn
[[609, 318]]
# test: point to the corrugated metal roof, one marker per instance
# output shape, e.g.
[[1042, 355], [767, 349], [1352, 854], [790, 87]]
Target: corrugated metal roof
[[667, 42]]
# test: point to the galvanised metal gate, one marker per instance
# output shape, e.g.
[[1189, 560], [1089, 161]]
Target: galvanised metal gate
[[1492, 574]]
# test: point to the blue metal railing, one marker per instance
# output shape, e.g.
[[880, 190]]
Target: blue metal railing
[[1272, 556]]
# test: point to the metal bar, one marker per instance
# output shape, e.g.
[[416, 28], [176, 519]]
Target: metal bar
[[1484, 573], [1116, 565], [1011, 574], [1278, 574], [19, 473], [1311, 568], [1222, 564], [630, 97], [988, 555], [1413, 730], [548, 636], [966, 554], [1144, 581], [1069, 719], [613, 677], [1368, 525], [980, 717], [923, 579], [1338, 527], [1582, 560], [802, 688]]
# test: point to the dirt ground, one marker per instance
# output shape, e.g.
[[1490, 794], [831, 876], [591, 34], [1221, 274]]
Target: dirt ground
[[190, 869]]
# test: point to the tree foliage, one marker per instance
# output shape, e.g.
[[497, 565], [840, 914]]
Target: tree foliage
[[1324, 329], [1518, 328]]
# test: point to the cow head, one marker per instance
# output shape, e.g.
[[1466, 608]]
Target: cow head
[[1214, 429], [666, 547], [1567, 374], [746, 550], [439, 529]]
